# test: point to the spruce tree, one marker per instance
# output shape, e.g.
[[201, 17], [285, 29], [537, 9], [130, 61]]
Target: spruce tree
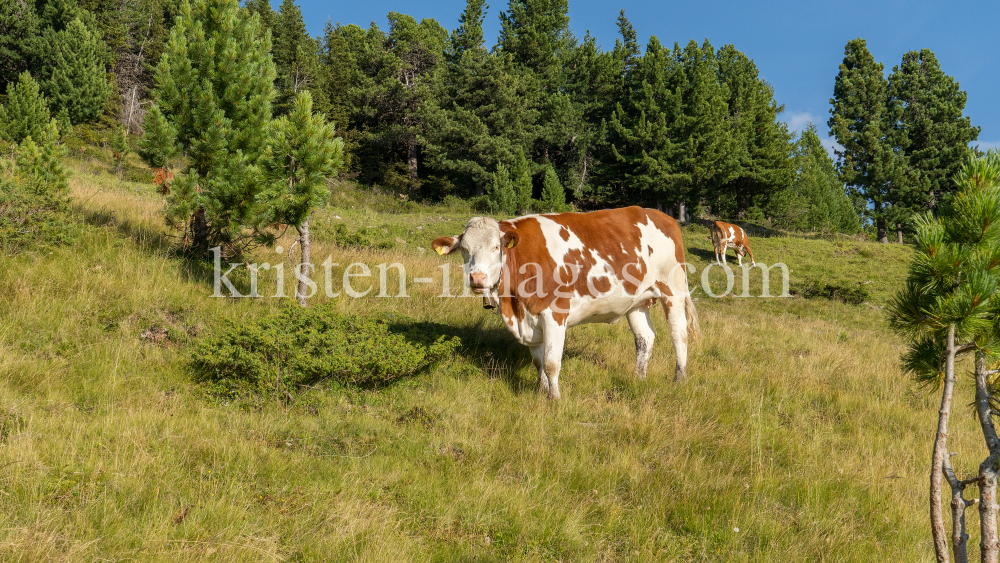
[[266, 14], [73, 74], [500, 195], [26, 113], [396, 71], [863, 122], [671, 137], [475, 117], [761, 144], [520, 174], [302, 154], [535, 34], [553, 198], [214, 87], [936, 134], [295, 56], [816, 199]]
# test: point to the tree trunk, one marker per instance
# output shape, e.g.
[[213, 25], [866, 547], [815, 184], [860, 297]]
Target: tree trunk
[[899, 233], [882, 233], [959, 537], [199, 229], [988, 544], [411, 161], [940, 451], [304, 266], [742, 202], [681, 212], [989, 540]]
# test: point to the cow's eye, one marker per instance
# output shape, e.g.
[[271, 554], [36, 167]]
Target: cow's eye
[[497, 248]]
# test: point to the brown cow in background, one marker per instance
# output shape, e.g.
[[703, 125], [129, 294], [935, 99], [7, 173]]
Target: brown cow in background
[[727, 235]]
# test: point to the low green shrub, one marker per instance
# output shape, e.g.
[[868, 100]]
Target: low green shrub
[[301, 347]]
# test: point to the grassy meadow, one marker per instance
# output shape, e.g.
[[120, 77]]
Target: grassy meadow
[[796, 438]]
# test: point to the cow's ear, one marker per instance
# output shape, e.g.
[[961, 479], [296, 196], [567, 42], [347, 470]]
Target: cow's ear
[[510, 239], [445, 245]]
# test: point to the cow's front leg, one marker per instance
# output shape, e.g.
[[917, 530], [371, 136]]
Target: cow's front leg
[[642, 328], [553, 340], [538, 360]]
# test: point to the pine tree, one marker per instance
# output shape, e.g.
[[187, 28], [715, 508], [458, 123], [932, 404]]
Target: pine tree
[[39, 166], [761, 144], [26, 113], [18, 29], [936, 134], [862, 122], [302, 154], [120, 148], [215, 83], [949, 307], [553, 198], [73, 75]]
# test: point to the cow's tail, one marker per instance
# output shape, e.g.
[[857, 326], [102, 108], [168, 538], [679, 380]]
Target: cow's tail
[[694, 331]]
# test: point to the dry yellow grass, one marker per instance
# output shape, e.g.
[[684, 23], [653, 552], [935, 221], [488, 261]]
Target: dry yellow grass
[[796, 427]]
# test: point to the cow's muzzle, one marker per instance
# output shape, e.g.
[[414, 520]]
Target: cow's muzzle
[[479, 282]]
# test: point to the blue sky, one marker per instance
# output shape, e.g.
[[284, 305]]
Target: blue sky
[[797, 45]]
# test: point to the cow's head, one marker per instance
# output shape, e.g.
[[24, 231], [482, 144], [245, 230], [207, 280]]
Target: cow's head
[[482, 245]]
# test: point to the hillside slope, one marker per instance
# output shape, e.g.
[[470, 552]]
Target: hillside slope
[[796, 439]]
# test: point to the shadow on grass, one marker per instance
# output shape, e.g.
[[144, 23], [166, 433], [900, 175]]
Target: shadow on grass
[[145, 237], [492, 349]]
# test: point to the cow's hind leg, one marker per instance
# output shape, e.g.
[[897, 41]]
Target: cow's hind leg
[[673, 306], [538, 360], [553, 340], [642, 328]]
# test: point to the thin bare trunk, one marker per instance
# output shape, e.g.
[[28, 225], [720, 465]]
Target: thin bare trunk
[[940, 452], [989, 540], [304, 266], [899, 233], [411, 160], [959, 537]]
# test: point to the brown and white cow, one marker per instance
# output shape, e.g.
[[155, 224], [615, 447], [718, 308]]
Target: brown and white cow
[[553, 271], [727, 235]]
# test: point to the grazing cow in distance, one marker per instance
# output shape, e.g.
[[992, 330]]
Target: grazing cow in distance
[[552, 271], [727, 235]]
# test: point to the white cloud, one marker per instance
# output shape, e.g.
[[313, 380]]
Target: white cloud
[[985, 145], [798, 121]]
